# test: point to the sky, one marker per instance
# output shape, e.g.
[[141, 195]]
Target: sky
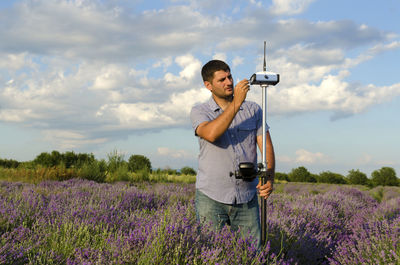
[[98, 76]]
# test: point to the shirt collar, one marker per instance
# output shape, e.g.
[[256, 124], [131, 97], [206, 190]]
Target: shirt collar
[[215, 107]]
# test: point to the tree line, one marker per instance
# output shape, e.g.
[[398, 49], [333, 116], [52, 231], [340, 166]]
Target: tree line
[[115, 161], [385, 176], [116, 166]]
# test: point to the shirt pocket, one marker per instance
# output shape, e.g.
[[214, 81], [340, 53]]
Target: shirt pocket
[[247, 132]]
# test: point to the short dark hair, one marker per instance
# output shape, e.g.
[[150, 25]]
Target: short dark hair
[[208, 70]]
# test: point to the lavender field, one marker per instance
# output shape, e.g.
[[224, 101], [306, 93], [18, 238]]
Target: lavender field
[[84, 222]]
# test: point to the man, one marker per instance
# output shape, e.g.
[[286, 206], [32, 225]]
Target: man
[[229, 130]]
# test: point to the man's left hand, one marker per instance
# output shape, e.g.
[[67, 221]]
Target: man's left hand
[[266, 189]]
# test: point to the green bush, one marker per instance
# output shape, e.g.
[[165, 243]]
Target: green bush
[[188, 171], [141, 175], [330, 177], [378, 195], [95, 170], [356, 177], [68, 159], [301, 174], [9, 163], [44, 159], [386, 176], [121, 174], [282, 176], [115, 161], [139, 162]]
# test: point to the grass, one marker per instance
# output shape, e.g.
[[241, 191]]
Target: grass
[[40, 174]]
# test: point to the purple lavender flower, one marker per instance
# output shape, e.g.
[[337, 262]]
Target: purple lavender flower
[[83, 222]]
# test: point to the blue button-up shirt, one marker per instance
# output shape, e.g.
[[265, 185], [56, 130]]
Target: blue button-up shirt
[[218, 159]]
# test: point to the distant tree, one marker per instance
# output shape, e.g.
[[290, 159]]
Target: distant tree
[[84, 158], [170, 171], [95, 170], [330, 177], [9, 163], [386, 176], [301, 174], [314, 177], [356, 177], [188, 171], [70, 159], [116, 161], [56, 158], [281, 176], [44, 159], [139, 162]]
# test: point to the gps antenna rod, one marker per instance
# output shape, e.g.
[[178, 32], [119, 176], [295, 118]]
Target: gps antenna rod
[[264, 79], [264, 155], [265, 61]]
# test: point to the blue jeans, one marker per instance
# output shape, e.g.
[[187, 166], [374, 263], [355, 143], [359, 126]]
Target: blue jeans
[[245, 216]]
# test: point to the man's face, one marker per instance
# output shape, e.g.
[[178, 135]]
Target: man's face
[[221, 85]]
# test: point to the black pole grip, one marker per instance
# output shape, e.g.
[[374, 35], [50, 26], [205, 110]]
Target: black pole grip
[[263, 216]]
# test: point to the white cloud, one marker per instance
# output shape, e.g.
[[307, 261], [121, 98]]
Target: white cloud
[[284, 159], [111, 77], [98, 30], [134, 115], [178, 154], [367, 160], [238, 60], [315, 81], [172, 112], [15, 115], [307, 55], [67, 139], [180, 104], [332, 93], [371, 53], [94, 68], [190, 65], [164, 62], [364, 159], [219, 56], [15, 61], [307, 157], [191, 68], [234, 42], [289, 7]]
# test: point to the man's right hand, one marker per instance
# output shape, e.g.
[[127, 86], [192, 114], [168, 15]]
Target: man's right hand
[[240, 91]]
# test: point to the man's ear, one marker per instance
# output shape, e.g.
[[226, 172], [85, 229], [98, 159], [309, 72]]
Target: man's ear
[[208, 85]]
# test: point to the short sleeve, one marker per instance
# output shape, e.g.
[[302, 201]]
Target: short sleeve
[[198, 115]]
